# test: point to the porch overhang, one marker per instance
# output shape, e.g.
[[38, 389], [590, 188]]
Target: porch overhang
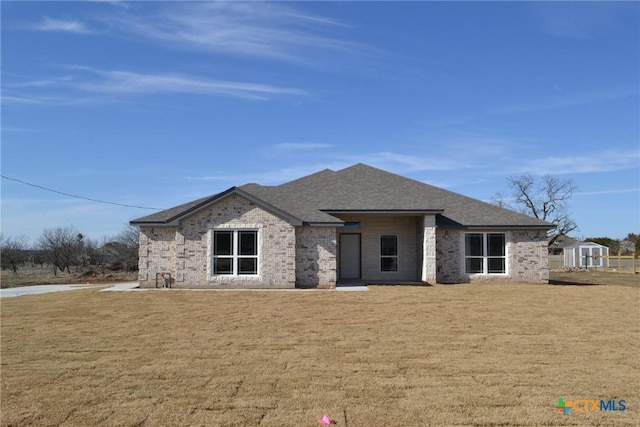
[[400, 212]]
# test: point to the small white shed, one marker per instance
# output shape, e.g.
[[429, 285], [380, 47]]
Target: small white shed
[[586, 255]]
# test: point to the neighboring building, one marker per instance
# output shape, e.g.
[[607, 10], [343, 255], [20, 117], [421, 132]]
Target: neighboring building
[[585, 255], [557, 248], [359, 224]]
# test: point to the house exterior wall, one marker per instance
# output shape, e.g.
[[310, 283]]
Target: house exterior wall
[[309, 256], [371, 228], [449, 255], [186, 250], [315, 257], [528, 256], [157, 254], [428, 250], [527, 259]]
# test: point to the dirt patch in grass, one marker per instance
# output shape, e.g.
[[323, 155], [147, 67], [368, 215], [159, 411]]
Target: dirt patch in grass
[[395, 356], [590, 277]]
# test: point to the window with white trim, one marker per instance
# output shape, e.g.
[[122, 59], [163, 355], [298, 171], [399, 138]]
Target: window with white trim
[[485, 253], [388, 253], [235, 252]]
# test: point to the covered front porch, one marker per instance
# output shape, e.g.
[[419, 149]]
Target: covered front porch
[[386, 249], [360, 282]]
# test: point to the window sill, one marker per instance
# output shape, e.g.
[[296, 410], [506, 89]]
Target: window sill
[[485, 274], [226, 277]]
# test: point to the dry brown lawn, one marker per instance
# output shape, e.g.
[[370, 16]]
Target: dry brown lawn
[[594, 277], [395, 356]]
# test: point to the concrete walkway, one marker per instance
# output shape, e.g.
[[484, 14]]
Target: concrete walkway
[[123, 287], [134, 286], [40, 289]]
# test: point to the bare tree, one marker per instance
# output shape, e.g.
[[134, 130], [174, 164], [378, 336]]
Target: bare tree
[[123, 249], [89, 253], [62, 247], [130, 240], [13, 252], [97, 251], [546, 199], [37, 257]]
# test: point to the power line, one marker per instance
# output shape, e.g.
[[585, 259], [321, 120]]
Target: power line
[[77, 197]]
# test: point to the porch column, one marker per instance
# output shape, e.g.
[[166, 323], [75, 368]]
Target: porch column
[[429, 249]]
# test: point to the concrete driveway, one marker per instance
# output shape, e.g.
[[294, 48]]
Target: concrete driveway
[[44, 289], [134, 286]]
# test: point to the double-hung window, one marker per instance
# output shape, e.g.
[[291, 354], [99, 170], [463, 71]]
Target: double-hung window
[[388, 253], [485, 253], [235, 252]]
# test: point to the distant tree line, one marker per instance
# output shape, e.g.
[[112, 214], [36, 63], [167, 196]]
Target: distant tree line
[[625, 246], [64, 248]]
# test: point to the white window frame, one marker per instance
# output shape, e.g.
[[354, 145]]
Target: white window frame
[[396, 256], [235, 256], [485, 257]]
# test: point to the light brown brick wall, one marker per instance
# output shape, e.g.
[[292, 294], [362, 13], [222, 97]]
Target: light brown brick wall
[[448, 256], [315, 257], [427, 252], [308, 256], [156, 254], [526, 258], [185, 250]]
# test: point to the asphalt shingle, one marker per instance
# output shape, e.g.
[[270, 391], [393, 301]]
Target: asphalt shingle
[[361, 188]]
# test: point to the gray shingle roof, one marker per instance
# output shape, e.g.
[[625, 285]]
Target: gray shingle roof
[[359, 188]]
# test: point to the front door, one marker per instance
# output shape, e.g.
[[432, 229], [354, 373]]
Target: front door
[[350, 256]]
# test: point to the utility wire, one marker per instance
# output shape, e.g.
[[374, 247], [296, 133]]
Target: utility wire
[[77, 197]]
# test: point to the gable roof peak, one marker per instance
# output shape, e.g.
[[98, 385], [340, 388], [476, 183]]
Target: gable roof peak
[[316, 198], [361, 166]]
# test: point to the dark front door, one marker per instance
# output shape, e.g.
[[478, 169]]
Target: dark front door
[[350, 256]]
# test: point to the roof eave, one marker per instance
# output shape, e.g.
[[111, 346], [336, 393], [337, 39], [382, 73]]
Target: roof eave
[[175, 220], [324, 223], [408, 212], [505, 227], [148, 224]]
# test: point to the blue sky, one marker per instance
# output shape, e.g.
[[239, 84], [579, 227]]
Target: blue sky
[[157, 103]]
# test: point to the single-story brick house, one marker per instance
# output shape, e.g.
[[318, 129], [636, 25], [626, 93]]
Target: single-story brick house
[[359, 224]]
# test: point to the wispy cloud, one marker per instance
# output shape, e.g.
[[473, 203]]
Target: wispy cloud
[[278, 176], [604, 161], [95, 220], [58, 25], [604, 192], [63, 90], [41, 100], [450, 151], [140, 83], [119, 3], [298, 146], [578, 20], [565, 101], [18, 129], [255, 29], [398, 162], [55, 81]]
